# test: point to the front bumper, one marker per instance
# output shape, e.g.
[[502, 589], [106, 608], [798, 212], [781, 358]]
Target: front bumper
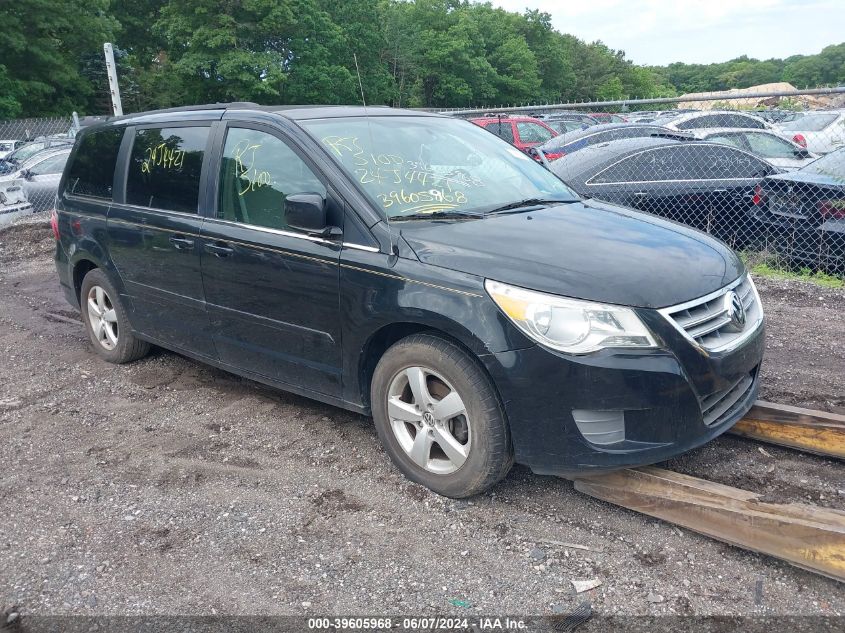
[[659, 394]]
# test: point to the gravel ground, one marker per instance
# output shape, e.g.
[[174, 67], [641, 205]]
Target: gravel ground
[[167, 486]]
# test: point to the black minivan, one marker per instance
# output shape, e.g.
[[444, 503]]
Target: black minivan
[[415, 268]]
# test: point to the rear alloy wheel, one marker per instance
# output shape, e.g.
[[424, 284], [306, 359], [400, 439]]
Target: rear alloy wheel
[[439, 417], [102, 317], [106, 321]]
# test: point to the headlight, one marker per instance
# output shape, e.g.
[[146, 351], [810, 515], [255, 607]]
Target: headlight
[[570, 325]]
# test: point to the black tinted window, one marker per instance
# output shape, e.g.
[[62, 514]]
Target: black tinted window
[[92, 170], [711, 120], [165, 166], [685, 162]]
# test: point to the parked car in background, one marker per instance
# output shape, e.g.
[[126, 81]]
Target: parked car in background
[[608, 117], [768, 144], [819, 132], [705, 185], [778, 116], [580, 117], [415, 268], [40, 175], [562, 126], [573, 141], [8, 146], [13, 161], [803, 212], [712, 119], [13, 202], [520, 131]]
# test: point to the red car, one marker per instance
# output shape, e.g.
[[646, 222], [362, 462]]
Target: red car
[[520, 131]]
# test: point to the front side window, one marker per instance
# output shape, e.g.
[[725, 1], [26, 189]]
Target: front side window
[[165, 167], [414, 165], [92, 171], [532, 132], [257, 173]]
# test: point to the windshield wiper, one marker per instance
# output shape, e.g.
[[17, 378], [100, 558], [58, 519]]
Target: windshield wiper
[[436, 215], [530, 202]]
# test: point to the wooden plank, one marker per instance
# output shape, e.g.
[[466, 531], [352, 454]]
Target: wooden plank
[[806, 536], [812, 431]]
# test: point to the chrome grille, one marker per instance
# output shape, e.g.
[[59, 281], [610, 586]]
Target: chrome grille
[[721, 405], [707, 320]]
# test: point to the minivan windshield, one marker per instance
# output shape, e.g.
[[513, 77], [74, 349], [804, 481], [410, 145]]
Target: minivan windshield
[[414, 166]]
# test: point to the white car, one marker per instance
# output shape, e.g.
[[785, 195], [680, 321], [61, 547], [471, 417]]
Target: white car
[[13, 202], [820, 132], [7, 146], [712, 119], [768, 144]]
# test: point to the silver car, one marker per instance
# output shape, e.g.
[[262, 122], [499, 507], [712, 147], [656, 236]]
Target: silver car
[[40, 175]]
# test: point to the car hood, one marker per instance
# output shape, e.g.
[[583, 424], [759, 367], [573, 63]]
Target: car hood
[[586, 250]]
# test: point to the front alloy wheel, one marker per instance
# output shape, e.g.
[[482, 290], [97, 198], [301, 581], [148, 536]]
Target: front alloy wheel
[[439, 417], [429, 420]]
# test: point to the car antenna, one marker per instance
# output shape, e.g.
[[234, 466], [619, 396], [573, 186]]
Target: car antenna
[[394, 249]]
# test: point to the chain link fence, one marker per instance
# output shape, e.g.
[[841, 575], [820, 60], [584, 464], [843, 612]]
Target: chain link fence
[[33, 153], [765, 173]]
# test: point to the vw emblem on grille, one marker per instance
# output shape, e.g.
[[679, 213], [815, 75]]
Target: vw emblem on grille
[[735, 311]]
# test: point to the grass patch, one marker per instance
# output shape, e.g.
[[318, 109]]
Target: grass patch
[[804, 274], [765, 264]]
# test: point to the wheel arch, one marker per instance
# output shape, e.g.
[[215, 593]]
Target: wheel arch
[[389, 334]]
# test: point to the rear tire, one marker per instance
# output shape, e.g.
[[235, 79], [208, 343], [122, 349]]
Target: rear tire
[[439, 418], [106, 321]]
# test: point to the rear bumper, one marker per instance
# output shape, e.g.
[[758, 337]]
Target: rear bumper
[[655, 398], [65, 275]]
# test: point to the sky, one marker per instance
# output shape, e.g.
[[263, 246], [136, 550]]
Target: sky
[[658, 32]]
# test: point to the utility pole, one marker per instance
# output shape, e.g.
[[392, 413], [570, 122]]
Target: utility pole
[[114, 88]]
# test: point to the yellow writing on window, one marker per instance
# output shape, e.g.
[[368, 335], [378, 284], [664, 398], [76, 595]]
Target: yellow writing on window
[[251, 177], [162, 156]]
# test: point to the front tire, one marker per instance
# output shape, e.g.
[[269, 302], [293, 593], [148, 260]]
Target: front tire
[[106, 321], [439, 418]]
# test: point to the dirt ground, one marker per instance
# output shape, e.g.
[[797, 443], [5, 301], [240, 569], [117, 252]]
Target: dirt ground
[[167, 486]]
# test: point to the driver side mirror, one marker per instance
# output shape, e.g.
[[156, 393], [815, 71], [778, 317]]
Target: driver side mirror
[[26, 174], [802, 153], [307, 212]]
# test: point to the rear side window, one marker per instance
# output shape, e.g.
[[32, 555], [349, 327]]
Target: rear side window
[[165, 167], [503, 129], [92, 171]]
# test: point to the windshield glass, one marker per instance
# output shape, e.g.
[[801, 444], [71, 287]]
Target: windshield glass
[[26, 151], [809, 122], [423, 165]]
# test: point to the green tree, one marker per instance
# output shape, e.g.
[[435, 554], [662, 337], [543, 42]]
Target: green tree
[[42, 44]]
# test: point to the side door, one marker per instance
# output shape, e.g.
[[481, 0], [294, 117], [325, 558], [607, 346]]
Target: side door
[[272, 291], [42, 180], [154, 231]]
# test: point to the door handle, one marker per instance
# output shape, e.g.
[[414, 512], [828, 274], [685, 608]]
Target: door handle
[[640, 194], [220, 249], [181, 243]]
